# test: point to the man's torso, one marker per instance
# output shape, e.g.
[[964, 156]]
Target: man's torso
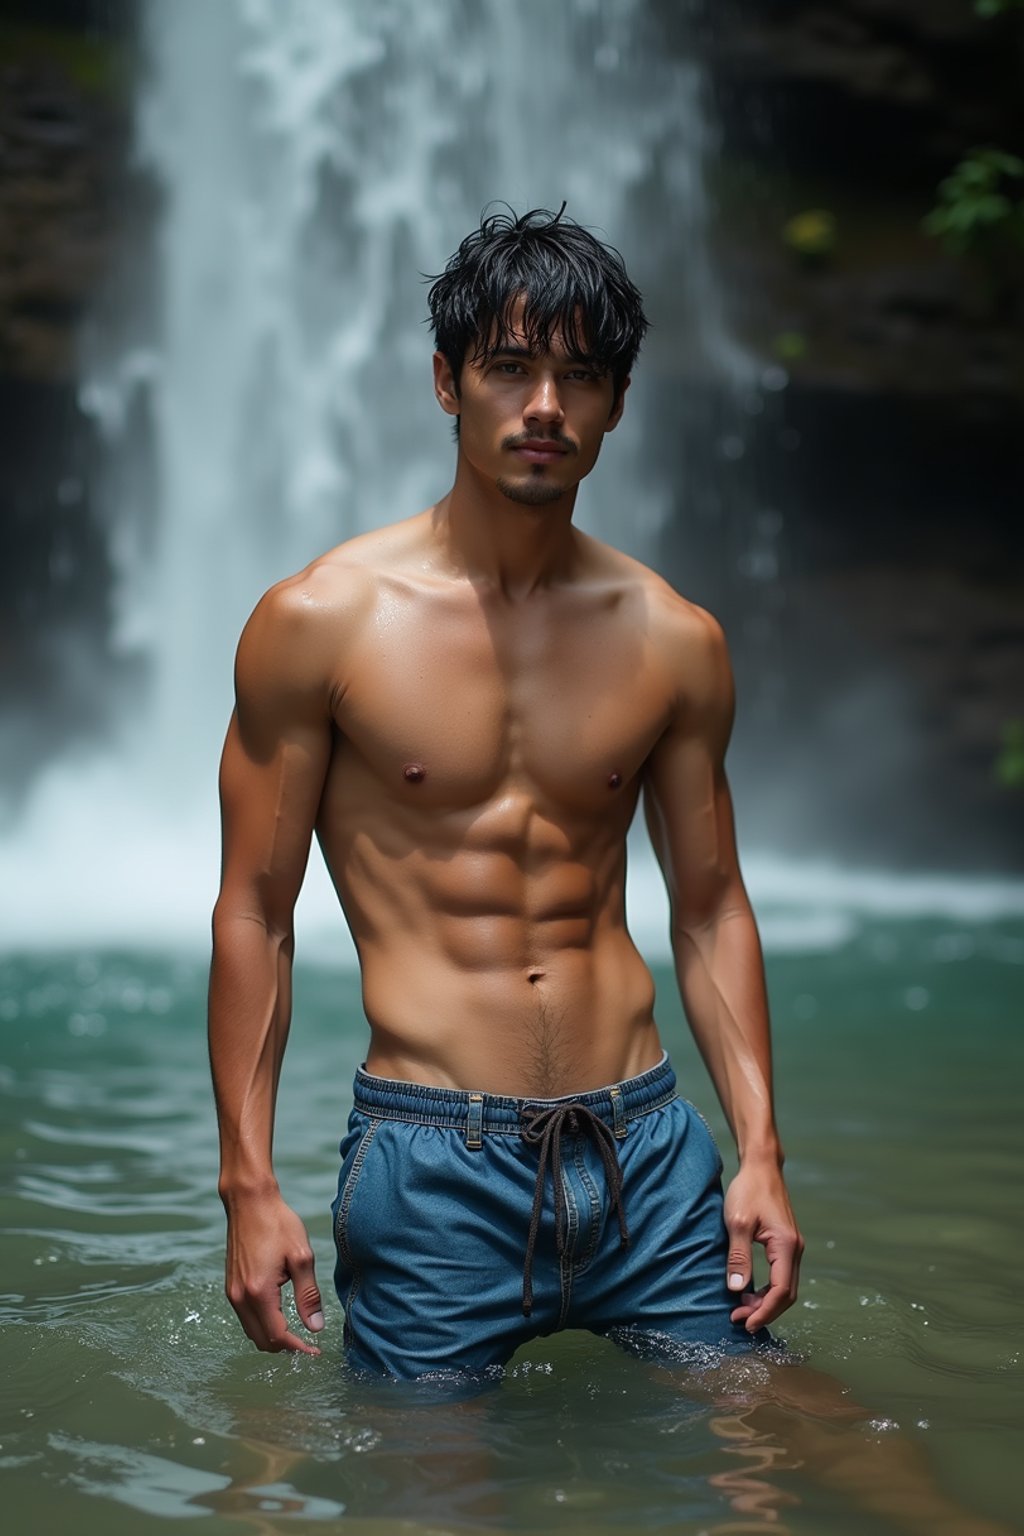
[[486, 765]]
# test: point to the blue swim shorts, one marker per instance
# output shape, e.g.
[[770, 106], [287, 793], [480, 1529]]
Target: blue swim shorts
[[468, 1223]]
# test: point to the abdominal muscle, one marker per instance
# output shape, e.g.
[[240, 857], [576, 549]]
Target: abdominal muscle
[[479, 976]]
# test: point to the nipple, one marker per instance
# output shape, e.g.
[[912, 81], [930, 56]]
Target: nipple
[[414, 773], [615, 780]]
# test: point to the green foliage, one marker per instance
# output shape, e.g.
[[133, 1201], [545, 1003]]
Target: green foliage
[[1010, 762], [997, 7], [790, 346], [976, 208], [811, 233], [98, 65]]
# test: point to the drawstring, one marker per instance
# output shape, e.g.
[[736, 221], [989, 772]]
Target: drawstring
[[542, 1128]]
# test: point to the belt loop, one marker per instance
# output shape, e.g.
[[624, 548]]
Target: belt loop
[[618, 1113], [475, 1122]]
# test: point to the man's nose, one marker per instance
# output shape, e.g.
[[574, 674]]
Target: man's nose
[[544, 403]]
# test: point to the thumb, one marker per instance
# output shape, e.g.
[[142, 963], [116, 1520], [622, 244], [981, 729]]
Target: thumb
[[307, 1295], [739, 1265]]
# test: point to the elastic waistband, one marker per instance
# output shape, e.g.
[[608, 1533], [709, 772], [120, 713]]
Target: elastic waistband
[[387, 1098]]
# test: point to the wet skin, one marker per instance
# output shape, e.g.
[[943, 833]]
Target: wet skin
[[465, 707]]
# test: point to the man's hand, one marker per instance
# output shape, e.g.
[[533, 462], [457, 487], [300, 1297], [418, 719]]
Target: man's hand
[[757, 1210], [267, 1246]]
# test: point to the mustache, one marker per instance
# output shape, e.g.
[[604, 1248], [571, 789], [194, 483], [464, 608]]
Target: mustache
[[520, 439]]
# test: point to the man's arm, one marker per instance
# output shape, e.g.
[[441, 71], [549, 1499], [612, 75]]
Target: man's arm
[[272, 773], [718, 958]]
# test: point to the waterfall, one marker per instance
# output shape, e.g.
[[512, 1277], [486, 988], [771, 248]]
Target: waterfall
[[314, 160]]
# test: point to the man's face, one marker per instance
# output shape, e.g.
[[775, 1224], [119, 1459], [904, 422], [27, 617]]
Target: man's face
[[531, 423]]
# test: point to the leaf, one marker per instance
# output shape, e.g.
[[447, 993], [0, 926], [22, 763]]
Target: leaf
[[993, 209], [1010, 165], [790, 345], [975, 174], [1009, 764]]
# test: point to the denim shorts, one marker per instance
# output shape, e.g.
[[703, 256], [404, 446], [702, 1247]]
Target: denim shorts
[[468, 1223]]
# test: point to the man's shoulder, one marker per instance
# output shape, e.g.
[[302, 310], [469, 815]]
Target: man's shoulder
[[340, 586], [671, 618], [303, 631]]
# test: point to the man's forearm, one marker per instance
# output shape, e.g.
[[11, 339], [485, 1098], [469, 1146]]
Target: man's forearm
[[250, 1010], [720, 968]]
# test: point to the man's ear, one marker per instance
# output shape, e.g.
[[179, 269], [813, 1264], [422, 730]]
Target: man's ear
[[616, 412], [445, 387]]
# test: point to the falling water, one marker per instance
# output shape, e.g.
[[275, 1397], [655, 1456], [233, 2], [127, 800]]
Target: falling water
[[314, 160], [317, 160]]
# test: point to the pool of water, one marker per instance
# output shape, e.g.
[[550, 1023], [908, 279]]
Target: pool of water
[[131, 1400]]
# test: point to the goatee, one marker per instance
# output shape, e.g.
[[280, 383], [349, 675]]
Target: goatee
[[530, 493]]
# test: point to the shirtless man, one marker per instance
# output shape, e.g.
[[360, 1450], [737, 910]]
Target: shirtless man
[[466, 707]]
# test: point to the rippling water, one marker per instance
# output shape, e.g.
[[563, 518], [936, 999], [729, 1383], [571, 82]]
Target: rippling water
[[131, 1399]]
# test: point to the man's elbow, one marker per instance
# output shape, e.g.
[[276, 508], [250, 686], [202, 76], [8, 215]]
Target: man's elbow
[[240, 919], [719, 901]]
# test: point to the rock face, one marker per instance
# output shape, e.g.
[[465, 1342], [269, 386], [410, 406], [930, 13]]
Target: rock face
[[64, 113], [862, 542], [879, 660], [918, 79], [54, 218], [874, 612], [861, 108], [65, 109]]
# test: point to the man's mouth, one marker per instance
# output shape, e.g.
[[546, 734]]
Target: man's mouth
[[538, 450]]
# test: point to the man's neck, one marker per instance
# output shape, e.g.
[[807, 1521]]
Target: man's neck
[[513, 547]]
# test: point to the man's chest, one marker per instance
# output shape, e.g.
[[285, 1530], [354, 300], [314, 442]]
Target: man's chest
[[458, 709]]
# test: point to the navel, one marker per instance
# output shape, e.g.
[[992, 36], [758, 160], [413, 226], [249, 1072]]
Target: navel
[[414, 773], [615, 780]]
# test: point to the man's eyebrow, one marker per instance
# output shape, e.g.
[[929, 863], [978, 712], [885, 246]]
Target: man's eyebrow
[[578, 360]]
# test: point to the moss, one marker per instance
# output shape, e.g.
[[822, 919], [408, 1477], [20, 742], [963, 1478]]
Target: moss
[[99, 66], [1009, 764]]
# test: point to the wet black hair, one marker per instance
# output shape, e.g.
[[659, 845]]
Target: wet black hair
[[572, 283]]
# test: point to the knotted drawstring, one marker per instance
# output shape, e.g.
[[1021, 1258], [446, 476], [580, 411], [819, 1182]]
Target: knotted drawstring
[[543, 1129]]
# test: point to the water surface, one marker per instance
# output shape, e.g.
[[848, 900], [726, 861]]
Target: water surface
[[131, 1400]]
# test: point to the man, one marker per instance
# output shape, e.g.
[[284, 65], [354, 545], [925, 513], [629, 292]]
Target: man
[[466, 707]]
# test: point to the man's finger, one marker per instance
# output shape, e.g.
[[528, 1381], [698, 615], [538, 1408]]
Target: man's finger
[[294, 1345], [280, 1336], [773, 1304], [247, 1305], [780, 1291], [749, 1303], [307, 1293], [739, 1265], [252, 1326], [266, 1325], [253, 1331]]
